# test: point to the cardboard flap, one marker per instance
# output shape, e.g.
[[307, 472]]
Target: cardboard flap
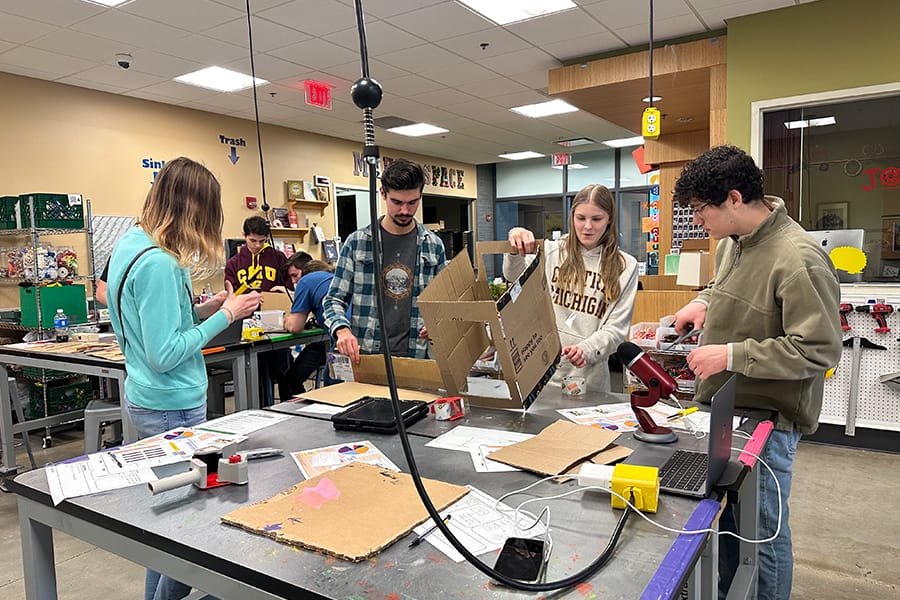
[[409, 373], [555, 449], [276, 301], [351, 512], [343, 394]]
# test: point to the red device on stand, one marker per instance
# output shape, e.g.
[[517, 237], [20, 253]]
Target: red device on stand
[[659, 385]]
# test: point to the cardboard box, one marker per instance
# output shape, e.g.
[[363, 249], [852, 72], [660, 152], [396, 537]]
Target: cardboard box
[[456, 305], [276, 301], [71, 298], [416, 380], [693, 269]]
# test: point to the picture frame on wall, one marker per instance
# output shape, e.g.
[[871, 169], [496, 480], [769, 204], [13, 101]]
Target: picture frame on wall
[[832, 215], [890, 237]]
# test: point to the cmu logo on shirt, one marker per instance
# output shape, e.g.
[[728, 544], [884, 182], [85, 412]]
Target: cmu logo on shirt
[[590, 305], [254, 275]]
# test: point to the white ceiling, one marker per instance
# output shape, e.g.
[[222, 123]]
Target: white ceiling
[[427, 55]]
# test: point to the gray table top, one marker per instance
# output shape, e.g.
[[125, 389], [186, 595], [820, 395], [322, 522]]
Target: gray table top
[[185, 522]]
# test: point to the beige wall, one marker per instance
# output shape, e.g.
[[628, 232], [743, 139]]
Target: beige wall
[[63, 139], [815, 47]]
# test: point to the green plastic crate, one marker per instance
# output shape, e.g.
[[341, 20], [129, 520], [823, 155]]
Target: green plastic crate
[[52, 211], [61, 397], [8, 211], [71, 298]]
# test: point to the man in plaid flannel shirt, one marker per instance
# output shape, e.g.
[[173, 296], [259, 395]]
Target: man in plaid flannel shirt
[[412, 257]]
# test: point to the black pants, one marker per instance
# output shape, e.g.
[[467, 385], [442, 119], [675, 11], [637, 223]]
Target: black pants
[[307, 362], [273, 368]]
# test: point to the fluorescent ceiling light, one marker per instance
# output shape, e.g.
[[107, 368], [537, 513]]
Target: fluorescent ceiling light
[[520, 155], [417, 129], [503, 12], [655, 99], [219, 79], [576, 142], [572, 166], [107, 2], [623, 142], [544, 109], [802, 123]]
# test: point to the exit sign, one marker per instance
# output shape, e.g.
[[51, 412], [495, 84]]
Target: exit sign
[[317, 93], [561, 159]]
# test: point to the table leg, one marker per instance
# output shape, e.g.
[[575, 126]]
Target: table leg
[[246, 379], [37, 557], [7, 443], [747, 518]]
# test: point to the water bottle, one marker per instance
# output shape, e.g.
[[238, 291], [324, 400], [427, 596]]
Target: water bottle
[[61, 325]]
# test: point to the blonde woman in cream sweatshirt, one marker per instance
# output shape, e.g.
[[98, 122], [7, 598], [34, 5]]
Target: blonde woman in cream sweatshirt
[[592, 285]]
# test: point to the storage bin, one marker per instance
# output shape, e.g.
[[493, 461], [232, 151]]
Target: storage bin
[[71, 298], [52, 211], [62, 396], [8, 208]]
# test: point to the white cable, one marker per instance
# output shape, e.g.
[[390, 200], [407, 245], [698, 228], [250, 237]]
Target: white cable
[[648, 519]]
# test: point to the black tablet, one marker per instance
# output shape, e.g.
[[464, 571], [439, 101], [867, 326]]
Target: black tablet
[[377, 415]]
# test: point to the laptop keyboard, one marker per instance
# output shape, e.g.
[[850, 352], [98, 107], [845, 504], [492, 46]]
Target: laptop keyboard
[[685, 470]]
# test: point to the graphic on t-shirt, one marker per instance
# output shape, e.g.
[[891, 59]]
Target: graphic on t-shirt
[[397, 279], [592, 305]]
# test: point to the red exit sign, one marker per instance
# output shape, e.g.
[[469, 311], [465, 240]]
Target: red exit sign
[[317, 93]]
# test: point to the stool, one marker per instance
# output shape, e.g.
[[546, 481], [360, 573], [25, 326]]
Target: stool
[[215, 391], [96, 413]]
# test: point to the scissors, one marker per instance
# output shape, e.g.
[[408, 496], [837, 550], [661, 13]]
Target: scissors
[[680, 339]]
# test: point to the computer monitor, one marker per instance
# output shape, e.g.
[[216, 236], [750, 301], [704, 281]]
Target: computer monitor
[[838, 238], [232, 245]]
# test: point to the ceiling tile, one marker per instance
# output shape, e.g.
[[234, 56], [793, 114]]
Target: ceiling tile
[[379, 70], [663, 29], [444, 97], [453, 75], [269, 68], [535, 79], [196, 15], [133, 31], [48, 62], [80, 45], [255, 5], [556, 27], [315, 17], [441, 21], [55, 12], [489, 88], [163, 65], [20, 30], [4, 46], [389, 8], [499, 42], [715, 15], [178, 91], [204, 50], [266, 34], [532, 59], [421, 59], [381, 38], [618, 14], [597, 43], [315, 53], [112, 76], [519, 99], [92, 85], [408, 85]]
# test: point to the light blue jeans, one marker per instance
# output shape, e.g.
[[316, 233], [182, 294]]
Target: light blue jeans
[[776, 559], [150, 422]]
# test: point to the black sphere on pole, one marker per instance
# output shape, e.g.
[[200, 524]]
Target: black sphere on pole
[[366, 93]]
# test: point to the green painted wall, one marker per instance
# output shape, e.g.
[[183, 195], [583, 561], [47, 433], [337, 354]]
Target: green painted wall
[[815, 47]]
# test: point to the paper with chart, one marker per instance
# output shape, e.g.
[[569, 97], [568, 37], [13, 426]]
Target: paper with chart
[[244, 422], [97, 473], [615, 417], [319, 460], [479, 524], [482, 462], [467, 439]]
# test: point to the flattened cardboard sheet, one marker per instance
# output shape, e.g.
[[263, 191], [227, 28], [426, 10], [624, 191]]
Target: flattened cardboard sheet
[[348, 392], [557, 448], [409, 373], [351, 512], [276, 301]]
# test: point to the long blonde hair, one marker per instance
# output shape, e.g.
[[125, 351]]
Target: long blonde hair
[[571, 268], [183, 215]]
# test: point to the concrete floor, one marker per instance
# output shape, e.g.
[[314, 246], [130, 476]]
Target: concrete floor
[[844, 549]]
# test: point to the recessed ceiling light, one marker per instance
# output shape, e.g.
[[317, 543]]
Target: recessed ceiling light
[[544, 109], [572, 166], [219, 79], [623, 142], [109, 3], [655, 99], [520, 155], [576, 142], [512, 11], [417, 130]]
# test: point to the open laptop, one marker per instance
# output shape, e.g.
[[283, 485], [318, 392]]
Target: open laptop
[[689, 472], [226, 337], [838, 238]]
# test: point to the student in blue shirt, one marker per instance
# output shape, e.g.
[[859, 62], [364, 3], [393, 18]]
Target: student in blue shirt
[[311, 280], [151, 307]]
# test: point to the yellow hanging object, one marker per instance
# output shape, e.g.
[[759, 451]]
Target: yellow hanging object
[[830, 372], [650, 122]]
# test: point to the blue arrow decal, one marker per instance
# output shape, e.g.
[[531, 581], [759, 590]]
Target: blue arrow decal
[[234, 157]]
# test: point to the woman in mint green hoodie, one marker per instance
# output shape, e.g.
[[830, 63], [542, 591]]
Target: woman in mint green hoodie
[[152, 311]]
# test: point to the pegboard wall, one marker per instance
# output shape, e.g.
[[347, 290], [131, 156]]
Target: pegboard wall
[[107, 231], [878, 406]]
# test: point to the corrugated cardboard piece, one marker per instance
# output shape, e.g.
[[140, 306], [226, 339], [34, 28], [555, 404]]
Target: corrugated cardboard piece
[[456, 306], [416, 380], [276, 301], [351, 512], [555, 449]]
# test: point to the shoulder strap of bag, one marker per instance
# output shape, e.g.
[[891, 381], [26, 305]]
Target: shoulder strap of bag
[[122, 287]]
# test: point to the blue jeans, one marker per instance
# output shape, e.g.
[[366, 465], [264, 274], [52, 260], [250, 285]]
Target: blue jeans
[[776, 559], [150, 422]]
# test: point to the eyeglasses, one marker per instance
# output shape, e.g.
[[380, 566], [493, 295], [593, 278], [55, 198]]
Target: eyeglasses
[[698, 209]]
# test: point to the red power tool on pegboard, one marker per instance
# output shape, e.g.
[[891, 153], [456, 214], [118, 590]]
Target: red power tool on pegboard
[[845, 310], [880, 312]]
